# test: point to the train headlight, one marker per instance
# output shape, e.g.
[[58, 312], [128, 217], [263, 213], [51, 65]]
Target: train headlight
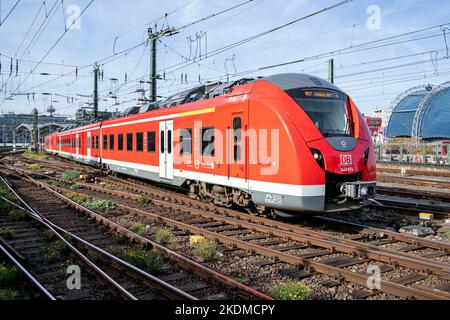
[[364, 192], [318, 157]]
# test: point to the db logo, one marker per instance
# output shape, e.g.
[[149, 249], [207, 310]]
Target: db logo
[[346, 160]]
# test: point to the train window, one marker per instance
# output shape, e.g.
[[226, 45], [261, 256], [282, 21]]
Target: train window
[[139, 141], [96, 142], [237, 137], [120, 141], [186, 141], [237, 152], [207, 141], [161, 141], [111, 142], [237, 129], [105, 142], [326, 108], [151, 141], [169, 141], [93, 143], [129, 142], [89, 142]]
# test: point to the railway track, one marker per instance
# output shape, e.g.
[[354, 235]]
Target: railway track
[[415, 180], [390, 198], [414, 193], [411, 205], [48, 255], [315, 251], [419, 194], [182, 279], [30, 287], [442, 171]]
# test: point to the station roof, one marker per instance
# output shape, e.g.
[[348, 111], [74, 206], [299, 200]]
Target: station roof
[[422, 112]]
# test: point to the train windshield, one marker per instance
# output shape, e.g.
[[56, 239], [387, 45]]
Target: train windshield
[[326, 108]]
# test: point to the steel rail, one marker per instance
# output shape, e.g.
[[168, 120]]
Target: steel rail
[[204, 272], [310, 236], [358, 278], [439, 183], [361, 279], [288, 258], [74, 250], [169, 290], [315, 237], [27, 274]]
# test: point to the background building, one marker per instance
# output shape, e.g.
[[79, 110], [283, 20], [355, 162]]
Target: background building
[[23, 124], [422, 113]]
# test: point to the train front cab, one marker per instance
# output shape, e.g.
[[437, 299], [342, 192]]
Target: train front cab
[[326, 151]]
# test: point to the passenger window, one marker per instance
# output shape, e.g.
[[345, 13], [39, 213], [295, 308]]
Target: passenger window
[[120, 141], [139, 141], [111, 142], [129, 142], [105, 142], [96, 142], [237, 152], [151, 141], [237, 137], [207, 141], [186, 141]]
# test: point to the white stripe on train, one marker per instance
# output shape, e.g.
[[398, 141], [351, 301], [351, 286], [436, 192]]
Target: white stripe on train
[[252, 185]]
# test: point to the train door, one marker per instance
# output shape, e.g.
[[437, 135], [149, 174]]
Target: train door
[[237, 162], [166, 149], [77, 144], [89, 145]]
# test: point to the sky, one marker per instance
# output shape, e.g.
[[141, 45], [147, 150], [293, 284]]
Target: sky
[[377, 47]]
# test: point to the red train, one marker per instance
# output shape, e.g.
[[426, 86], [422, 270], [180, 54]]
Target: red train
[[279, 145]]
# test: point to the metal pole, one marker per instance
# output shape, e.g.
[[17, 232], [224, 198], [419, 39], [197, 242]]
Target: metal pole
[[153, 76], [331, 70], [35, 128], [14, 139], [96, 70]]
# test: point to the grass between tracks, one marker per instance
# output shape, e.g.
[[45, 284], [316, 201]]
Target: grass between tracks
[[36, 155], [71, 175], [12, 283], [100, 205], [163, 236], [6, 208], [291, 290], [52, 252], [36, 167], [144, 259], [206, 250]]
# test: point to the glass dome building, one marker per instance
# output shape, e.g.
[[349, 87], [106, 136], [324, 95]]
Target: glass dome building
[[421, 112]]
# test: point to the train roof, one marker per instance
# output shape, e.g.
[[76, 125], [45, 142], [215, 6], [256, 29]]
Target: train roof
[[287, 81], [284, 81]]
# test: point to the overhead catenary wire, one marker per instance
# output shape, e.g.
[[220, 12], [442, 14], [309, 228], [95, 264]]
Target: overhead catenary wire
[[379, 45], [54, 45], [144, 42], [9, 13], [212, 53], [29, 29]]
